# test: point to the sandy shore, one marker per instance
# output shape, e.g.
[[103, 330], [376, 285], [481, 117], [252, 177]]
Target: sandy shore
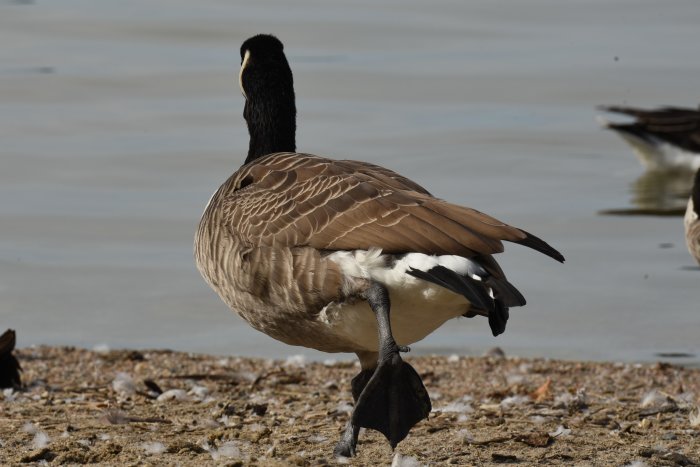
[[168, 408]]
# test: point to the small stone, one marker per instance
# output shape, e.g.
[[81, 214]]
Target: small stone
[[296, 459], [503, 458], [495, 352], [678, 458], [44, 454], [536, 440]]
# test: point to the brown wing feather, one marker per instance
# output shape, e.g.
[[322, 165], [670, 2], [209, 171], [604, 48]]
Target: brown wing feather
[[302, 200]]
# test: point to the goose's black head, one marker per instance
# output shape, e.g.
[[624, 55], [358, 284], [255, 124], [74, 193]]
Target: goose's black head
[[268, 86]]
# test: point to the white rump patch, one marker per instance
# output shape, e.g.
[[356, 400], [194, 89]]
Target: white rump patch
[[418, 307], [371, 264]]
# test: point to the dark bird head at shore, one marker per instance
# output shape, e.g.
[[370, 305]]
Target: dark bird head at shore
[[268, 86], [9, 366]]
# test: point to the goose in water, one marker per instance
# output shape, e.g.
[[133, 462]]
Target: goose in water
[[346, 256], [663, 139], [692, 220]]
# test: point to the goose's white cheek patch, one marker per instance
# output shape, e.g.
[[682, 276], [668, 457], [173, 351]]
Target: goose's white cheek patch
[[246, 57]]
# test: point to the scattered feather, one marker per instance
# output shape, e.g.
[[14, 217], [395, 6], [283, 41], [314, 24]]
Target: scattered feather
[[466, 436], [694, 417], [343, 407], [316, 439], [637, 464], [124, 385], [404, 461], [563, 400], [514, 378], [331, 384], [457, 407], [298, 361], [454, 358], [9, 394], [30, 428], [172, 395], [198, 392], [153, 448], [652, 398], [101, 349], [228, 450], [330, 362], [512, 401], [41, 440], [560, 431]]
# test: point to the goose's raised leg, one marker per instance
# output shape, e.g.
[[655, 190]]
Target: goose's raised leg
[[394, 399]]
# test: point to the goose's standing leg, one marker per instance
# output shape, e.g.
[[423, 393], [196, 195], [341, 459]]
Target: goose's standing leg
[[393, 399], [348, 442]]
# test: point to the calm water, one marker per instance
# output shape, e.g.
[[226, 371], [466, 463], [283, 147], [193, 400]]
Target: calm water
[[119, 119]]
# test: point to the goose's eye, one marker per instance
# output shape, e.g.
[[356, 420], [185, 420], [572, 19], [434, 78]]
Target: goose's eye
[[247, 180]]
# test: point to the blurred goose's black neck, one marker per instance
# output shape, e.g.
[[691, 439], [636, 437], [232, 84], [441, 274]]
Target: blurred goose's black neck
[[695, 194]]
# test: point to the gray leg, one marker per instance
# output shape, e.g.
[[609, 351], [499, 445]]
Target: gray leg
[[394, 399], [348, 442]]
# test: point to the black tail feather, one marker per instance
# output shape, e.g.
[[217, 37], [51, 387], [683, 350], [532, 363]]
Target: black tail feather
[[498, 318], [540, 245], [471, 289], [506, 292]]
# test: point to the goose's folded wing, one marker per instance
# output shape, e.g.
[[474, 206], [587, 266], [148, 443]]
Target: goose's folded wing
[[302, 200]]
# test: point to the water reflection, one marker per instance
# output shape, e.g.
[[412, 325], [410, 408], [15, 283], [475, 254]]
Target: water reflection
[[658, 193]]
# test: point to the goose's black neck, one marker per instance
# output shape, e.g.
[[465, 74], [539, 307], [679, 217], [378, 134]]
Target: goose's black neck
[[271, 126], [268, 85]]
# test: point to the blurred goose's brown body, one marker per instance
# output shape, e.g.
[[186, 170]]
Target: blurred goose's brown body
[[664, 138], [692, 220]]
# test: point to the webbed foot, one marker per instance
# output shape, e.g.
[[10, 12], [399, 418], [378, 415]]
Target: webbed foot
[[393, 400]]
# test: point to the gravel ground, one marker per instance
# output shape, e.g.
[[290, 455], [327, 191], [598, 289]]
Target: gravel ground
[[132, 407]]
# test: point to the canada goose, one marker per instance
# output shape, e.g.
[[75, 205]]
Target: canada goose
[[315, 252], [665, 138], [692, 220]]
